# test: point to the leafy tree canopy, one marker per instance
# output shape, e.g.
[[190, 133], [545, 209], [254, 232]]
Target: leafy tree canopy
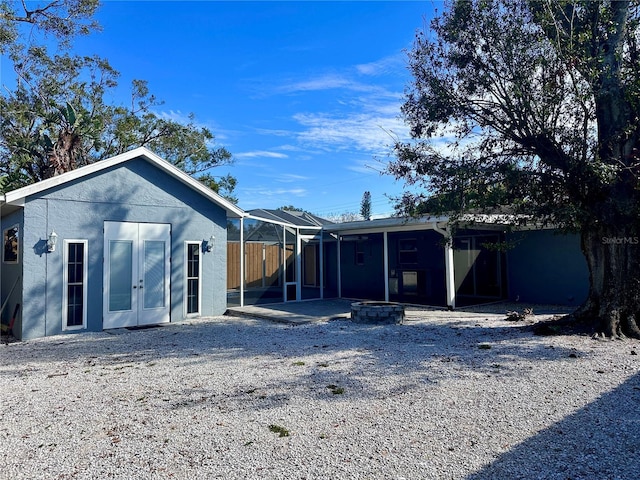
[[344, 217], [292, 208], [62, 19]]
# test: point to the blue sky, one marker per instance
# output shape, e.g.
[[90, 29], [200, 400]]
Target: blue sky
[[305, 95]]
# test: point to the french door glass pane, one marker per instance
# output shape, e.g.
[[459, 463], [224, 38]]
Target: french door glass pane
[[120, 275], [154, 287]]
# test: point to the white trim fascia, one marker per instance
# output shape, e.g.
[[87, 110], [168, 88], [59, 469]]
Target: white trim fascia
[[399, 224], [385, 224], [17, 197], [365, 231]]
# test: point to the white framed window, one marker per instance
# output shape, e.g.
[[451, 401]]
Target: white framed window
[[11, 240], [193, 278], [74, 302]]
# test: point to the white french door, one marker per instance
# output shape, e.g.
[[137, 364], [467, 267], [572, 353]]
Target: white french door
[[136, 274]]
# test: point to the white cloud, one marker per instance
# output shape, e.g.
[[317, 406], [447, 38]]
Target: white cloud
[[328, 81], [363, 119], [261, 154], [262, 192], [290, 178], [324, 82], [365, 132], [182, 118], [384, 66]]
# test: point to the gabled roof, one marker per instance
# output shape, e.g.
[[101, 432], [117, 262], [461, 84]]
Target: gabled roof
[[290, 217], [17, 197]]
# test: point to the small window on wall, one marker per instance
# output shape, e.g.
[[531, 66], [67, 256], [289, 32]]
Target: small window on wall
[[194, 274], [75, 282], [11, 242], [408, 251]]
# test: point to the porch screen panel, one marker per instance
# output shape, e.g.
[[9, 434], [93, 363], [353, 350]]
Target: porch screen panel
[[233, 265], [254, 264], [273, 264]]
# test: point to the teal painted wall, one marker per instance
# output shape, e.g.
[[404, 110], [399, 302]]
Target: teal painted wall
[[135, 191], [544, 267]]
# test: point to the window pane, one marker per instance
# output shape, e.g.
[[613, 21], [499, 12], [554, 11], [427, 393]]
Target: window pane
[[192, 295], [78, 272], [10, 254], [193, 260], [120, 275], [154, 281], [79, 252]]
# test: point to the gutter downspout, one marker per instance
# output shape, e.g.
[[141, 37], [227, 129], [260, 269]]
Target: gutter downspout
[[448, 266]]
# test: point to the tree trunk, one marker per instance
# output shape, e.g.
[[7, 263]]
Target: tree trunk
[[62, 157], [613, 258]]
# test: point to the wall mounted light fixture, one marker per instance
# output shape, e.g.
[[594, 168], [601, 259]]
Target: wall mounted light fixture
[[210, 243], [52, 241]]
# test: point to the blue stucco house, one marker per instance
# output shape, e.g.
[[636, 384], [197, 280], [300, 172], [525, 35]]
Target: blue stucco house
[[123, 242]]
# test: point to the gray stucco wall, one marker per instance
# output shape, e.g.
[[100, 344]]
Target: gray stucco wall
[[544, 267], [135, 191]]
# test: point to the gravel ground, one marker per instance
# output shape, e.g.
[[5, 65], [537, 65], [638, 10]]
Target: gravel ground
[[446, 395]]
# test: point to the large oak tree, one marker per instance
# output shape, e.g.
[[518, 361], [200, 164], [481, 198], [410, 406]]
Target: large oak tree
[[534, 106]]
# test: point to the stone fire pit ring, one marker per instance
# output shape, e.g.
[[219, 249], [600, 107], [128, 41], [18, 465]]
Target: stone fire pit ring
[[377, 312]]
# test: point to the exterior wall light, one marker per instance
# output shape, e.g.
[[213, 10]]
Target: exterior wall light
[[52, 241], [210, 243]]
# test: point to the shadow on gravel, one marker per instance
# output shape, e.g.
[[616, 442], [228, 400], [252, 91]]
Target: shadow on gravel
[[585, 445], [387, 350]]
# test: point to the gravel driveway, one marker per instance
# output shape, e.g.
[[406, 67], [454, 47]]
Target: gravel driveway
[[446, 395]]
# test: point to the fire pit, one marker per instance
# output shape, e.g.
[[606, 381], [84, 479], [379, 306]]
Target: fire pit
[[377, 312]]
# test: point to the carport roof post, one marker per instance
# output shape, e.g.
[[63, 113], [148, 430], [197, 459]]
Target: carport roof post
[[449, 269]]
